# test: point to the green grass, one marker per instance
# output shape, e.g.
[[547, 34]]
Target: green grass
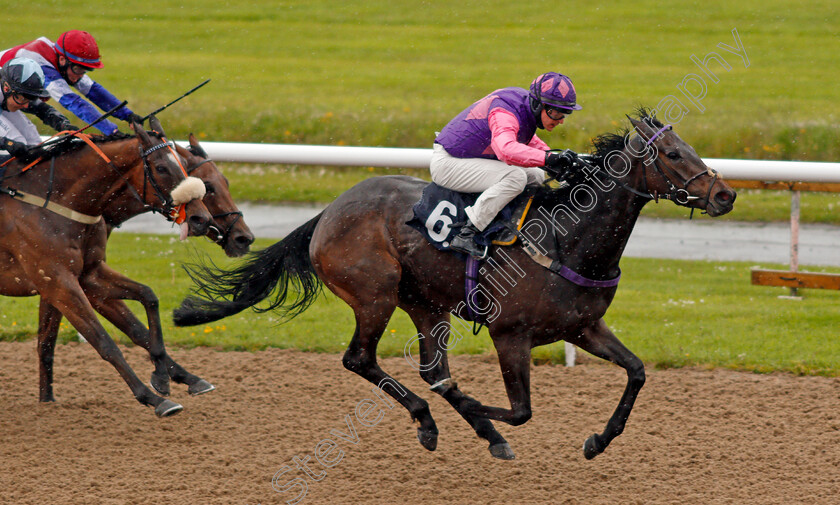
[[670, 313], [392, 73]]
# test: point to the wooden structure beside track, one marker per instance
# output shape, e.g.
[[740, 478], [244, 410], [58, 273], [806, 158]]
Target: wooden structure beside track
[[793, 278]]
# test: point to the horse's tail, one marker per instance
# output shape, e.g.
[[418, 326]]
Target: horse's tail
[[223, 293]]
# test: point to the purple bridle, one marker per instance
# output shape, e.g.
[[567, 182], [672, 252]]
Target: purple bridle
[[649, 142]]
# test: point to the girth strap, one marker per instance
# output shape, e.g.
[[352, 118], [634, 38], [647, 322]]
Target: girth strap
[[471, 280], [51, 206], [562, 270]]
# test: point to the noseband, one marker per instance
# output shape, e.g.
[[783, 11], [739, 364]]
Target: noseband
[[171, 211], [680, 196]]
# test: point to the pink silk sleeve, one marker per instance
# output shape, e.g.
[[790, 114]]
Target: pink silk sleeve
[[537, 143], [504, 126]]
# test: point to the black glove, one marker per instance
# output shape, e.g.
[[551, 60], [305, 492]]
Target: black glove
[[23, 152], [68, 127], [15, 148], [134, 118], [559, 163]]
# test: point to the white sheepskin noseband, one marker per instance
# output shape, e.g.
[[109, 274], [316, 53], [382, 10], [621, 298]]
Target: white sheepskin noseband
[[192, 188]]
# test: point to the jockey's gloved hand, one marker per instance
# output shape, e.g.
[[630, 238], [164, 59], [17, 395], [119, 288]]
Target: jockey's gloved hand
[[22, 151], [15, 148], [558, 163], [134, 118], [68, 127]]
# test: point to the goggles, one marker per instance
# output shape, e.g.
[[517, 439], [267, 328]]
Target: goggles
[[556, 113]]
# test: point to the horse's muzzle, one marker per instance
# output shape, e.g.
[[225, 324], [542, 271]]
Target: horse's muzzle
[[721, 202]]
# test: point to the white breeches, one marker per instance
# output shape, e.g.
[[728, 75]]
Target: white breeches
[[498, 182]]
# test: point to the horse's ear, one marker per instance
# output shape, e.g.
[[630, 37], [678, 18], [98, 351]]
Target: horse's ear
[[154, 123], [196, 148], [141, 133], [636, 123]]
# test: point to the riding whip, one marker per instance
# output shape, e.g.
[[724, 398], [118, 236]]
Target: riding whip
[[173, 101], [71, 134]]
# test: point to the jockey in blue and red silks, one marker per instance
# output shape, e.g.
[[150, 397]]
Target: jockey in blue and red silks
[[66, 64], [492, 148]]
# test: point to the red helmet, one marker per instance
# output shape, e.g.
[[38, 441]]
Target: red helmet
[[79, 47]]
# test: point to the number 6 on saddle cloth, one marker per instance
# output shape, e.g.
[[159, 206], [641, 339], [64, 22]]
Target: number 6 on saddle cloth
[[439, 216]]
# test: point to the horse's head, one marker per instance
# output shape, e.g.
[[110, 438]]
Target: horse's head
[[673, 169], [178, 195], [228, 229]]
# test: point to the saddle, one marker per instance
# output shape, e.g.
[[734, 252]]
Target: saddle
[[440, 215]]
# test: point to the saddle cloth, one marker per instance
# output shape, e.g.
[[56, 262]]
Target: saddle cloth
[[439, 216]]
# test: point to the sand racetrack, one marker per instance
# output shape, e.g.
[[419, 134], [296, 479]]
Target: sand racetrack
[[695, 437]]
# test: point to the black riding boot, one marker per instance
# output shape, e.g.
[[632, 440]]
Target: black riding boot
[[465, 242]]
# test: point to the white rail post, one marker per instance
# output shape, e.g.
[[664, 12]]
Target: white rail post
[[795, 198], [571, 352]]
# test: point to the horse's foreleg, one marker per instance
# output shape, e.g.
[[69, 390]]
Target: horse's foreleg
[[73, 304], [120, 316], [600, 341], [434, 334], [106, 288], [49, 321]]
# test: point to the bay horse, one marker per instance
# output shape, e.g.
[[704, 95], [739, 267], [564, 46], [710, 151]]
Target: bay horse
[[106, 288], [47, 251], [362, 250]]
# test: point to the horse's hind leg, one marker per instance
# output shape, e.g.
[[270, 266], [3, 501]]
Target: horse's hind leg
[[601, 342], [372, 294], [360, 358], [49, 321], [434, 331]]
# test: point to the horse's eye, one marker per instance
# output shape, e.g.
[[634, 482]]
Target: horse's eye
[[208, 188], [674, 155]]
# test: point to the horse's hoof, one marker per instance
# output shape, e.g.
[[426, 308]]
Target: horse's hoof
[[427, 439], [200, 387], [592, 447], [160, 383], [167, 408], [502, 451]]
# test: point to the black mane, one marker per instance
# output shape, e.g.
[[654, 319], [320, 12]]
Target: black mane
[[604, 144]]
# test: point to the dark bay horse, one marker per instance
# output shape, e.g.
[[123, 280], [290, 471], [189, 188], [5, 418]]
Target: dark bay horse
[[361, 249], [47, 251], [106, 288]]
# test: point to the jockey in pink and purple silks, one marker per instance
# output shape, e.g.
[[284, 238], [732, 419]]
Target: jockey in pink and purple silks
[[66, 64], [492, 148]]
